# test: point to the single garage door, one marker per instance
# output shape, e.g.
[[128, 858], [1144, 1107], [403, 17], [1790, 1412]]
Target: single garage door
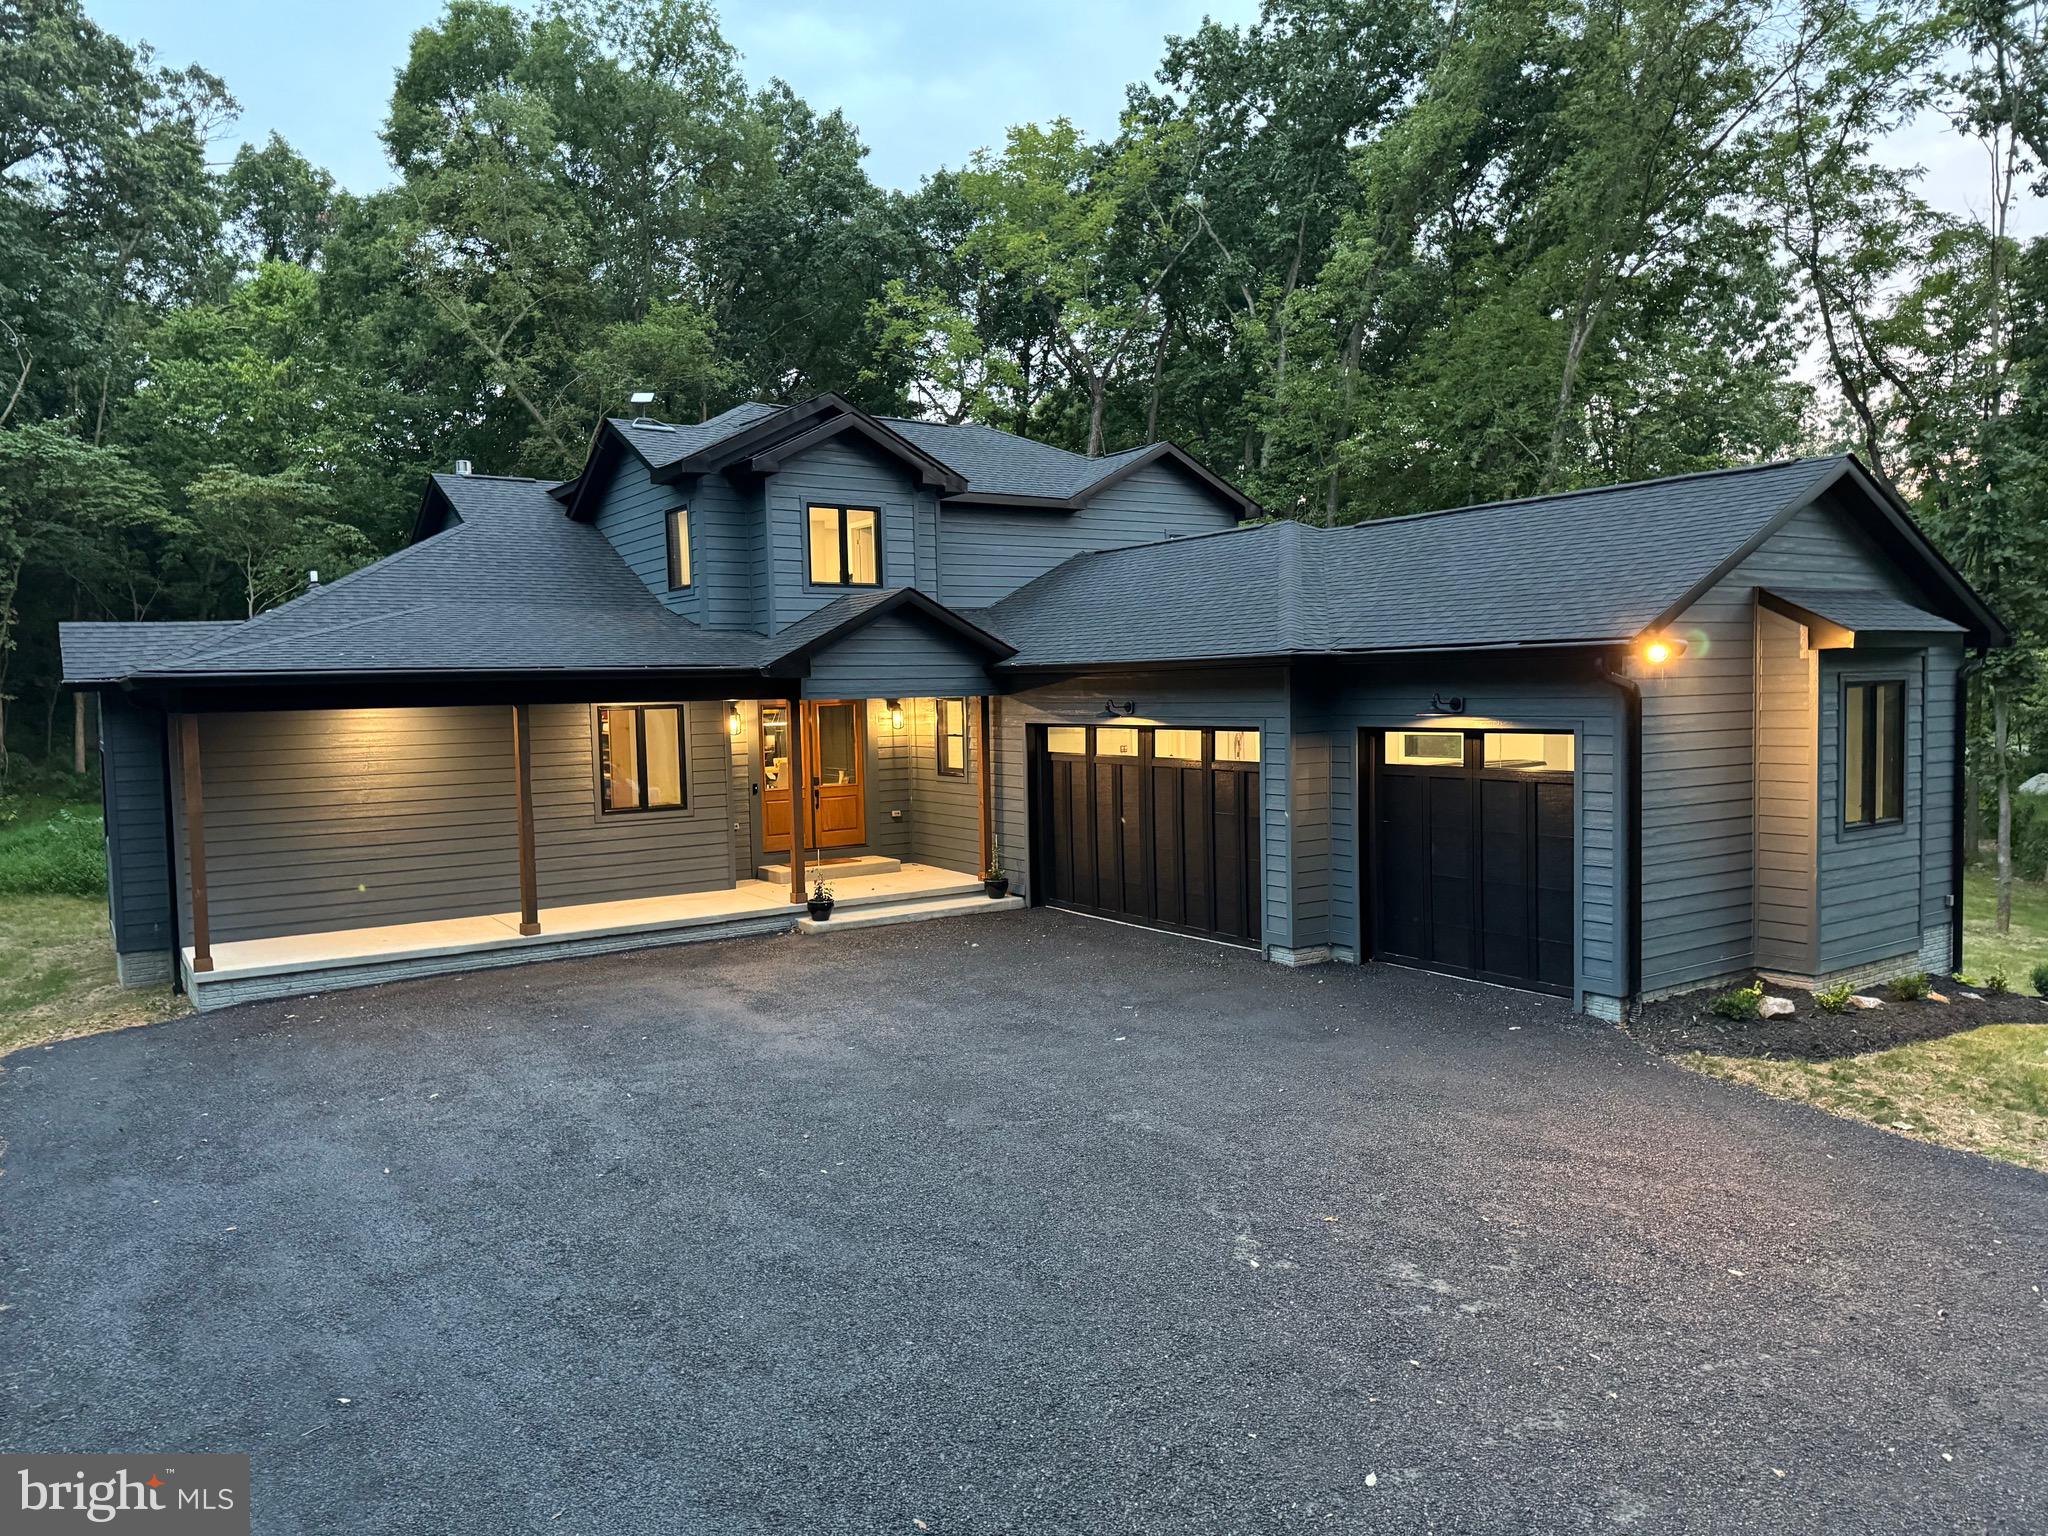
[[1151, 826], [1473, 862]]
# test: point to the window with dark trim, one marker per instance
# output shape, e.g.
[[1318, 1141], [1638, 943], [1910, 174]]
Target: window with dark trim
[[953, 737], [641, 764], [846, 546], [678, 548], [1873, 754]]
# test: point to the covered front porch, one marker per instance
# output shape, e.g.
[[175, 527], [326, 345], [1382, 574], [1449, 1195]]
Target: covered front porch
[[248, 970]]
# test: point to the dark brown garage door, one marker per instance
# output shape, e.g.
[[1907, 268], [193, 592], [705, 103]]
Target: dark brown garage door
[[1473, 863], [1152, 826]]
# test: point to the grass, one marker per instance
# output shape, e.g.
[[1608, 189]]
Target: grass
[[57, 973], [51, 848], [2016, 953], [1984, 1091]]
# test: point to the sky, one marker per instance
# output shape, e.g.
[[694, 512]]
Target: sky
[[927, 83]]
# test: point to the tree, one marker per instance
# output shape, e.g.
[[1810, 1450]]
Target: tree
[[271, 530], [279, 202]]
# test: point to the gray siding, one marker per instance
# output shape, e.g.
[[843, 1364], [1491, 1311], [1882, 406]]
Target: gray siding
[[723, 534], [1238, 699], [834, 473], [894, 656], [337, 819], [133, 796], [582, 855], [945, 810], [1872, 878], [1942, 697], [1699, 723], [1337, 705], [1787, 790], [986, 553]]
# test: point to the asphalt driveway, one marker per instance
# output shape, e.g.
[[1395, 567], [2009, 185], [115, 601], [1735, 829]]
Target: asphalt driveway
[[1009, 1224]]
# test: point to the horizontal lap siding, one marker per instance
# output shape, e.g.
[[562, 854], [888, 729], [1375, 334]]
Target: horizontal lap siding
[[895, 657], [338, 819], [1870, 878], [138, 825], [986, 553], [1942, 698], [633, 516], [1787, 735], [1700, 746], [1337, 704], [945, 811], [334, 819], [834, 474], [1249, 700], [581, 855]]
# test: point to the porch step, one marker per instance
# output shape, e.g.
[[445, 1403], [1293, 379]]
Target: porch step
[[832, 869], [912, 911]]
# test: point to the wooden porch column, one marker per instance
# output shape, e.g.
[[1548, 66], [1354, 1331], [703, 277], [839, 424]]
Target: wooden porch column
[[988, 825], [195, 841], [522, 793], [799, 799]]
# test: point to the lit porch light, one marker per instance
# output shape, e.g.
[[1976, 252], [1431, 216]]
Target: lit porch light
[[732, 720], [1660, 649], [895, 708]]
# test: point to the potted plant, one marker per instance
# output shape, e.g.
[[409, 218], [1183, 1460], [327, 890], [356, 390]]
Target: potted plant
[[820, 904], [993, 880]]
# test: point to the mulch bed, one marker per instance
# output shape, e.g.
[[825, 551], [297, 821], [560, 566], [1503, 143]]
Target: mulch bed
[[1675, 1025]]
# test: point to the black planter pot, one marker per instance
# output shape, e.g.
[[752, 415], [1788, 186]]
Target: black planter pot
[[997, 888], [820, 910]]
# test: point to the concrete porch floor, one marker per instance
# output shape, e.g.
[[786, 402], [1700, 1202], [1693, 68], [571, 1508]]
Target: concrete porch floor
[[245, 969]]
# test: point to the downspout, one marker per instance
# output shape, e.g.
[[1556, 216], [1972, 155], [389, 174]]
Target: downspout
[[1632, 839], [1971, 665]]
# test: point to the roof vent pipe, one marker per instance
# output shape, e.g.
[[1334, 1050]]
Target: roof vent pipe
[[312, 581], [462, 466]]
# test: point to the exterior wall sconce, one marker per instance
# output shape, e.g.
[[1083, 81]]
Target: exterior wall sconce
[[732, 720], [1660, 649], [895, 708], [1117, 709], [1454, 705]]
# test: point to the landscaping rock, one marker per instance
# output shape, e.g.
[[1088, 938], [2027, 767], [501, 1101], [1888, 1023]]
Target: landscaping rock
[[1777, 1008], [1863, 1000]]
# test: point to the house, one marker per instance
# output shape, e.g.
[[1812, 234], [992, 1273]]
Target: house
[[1609, 744]]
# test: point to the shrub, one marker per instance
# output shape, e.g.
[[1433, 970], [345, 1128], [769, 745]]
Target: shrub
[[2040, 978], [62, 854], [1998, 983], [1742, 1003], [1908, 989], [1834, 999]]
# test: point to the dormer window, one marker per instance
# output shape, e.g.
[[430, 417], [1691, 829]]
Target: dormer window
[[678, 548], [846, 547]]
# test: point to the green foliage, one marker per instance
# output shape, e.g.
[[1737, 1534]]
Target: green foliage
[[1997, 983], [1834, 999], [2039, 977], [1739, 1002], [43, 852], [1909, 989]]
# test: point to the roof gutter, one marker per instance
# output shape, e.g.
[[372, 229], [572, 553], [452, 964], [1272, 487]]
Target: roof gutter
[[1632, 839]]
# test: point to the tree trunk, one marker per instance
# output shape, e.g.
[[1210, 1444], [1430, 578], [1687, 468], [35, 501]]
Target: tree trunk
[[1096, 391], [2003, 765], [1158, 382], [78, 731]]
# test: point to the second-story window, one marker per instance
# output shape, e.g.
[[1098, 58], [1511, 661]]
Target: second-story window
[[846, 547], [678, 547]]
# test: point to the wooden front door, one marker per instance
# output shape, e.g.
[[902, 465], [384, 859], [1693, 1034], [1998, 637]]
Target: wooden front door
[[835, 751], [834, 747]]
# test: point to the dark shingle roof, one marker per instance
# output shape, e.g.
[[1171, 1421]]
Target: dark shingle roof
[[662, 445], [514, 586], [106, 652], [1868, 611], [1585, 567], [1000, 463]]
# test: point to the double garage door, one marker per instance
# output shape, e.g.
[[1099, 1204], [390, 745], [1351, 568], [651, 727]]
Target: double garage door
[[1473, 867], [1151, 825]]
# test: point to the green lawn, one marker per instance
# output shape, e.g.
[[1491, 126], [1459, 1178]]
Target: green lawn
[[57, 973], [1985, 1090], [2017, 952]]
